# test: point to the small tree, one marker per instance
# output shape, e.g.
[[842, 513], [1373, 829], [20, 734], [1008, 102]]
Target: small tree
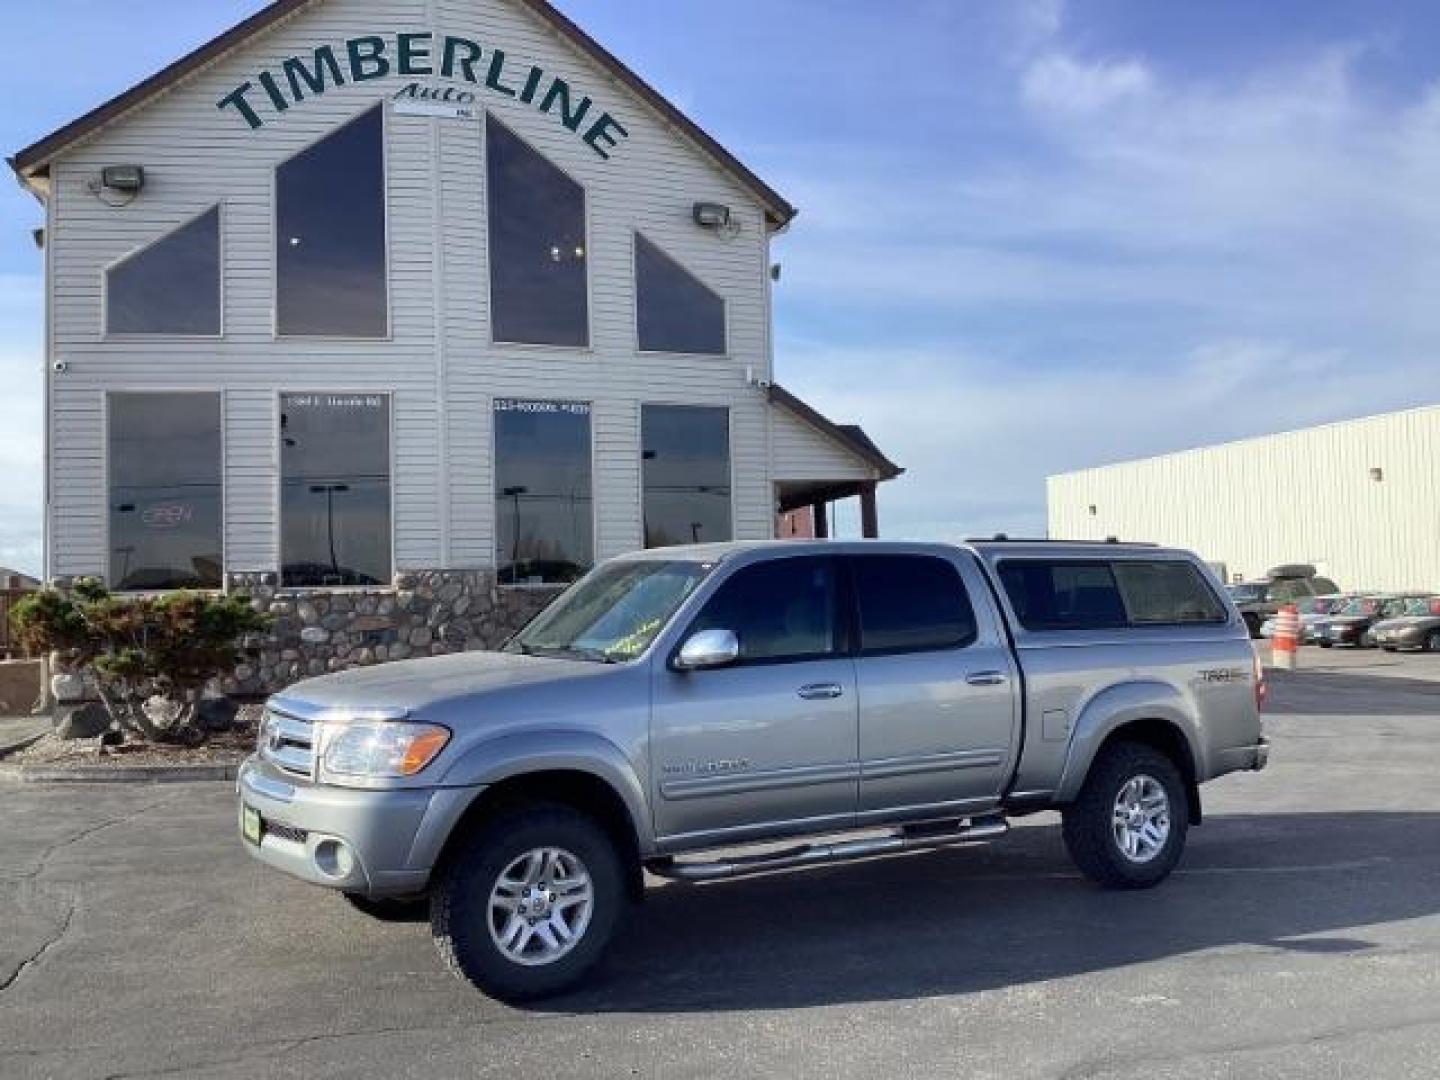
[[136, 649]]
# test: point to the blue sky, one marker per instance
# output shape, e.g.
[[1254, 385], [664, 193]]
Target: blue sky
[[1035, 235]]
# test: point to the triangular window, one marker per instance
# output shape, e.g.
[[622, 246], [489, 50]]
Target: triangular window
[[170, 287], [675, 311]]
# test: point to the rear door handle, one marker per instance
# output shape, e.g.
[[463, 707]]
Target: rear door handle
[[986, 678], [820, 691]]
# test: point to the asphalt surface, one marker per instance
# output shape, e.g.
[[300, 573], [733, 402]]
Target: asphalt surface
[[1300, 938]]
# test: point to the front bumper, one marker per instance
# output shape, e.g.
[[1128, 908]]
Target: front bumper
[[379, 843]]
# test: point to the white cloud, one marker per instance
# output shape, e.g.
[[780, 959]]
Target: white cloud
[[21, 421], [1058, 81], [978, 437]]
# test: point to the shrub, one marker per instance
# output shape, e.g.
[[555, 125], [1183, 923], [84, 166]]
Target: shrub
[[136, 649]]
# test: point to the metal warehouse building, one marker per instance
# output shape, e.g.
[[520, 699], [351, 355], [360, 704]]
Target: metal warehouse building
[[400, 314], [1359, 499]]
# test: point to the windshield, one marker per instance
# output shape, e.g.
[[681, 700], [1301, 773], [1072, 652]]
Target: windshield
[[1417, 607], [1244, 594], [1361, 607], [1394, 608], [1312, 605], [612, 614]]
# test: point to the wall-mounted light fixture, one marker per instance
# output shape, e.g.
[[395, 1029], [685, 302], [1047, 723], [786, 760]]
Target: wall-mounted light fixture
[[1378, 475], [713, 216], [126, 179]]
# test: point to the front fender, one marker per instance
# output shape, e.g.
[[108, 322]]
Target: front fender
[[522, 753], [1112, 709]]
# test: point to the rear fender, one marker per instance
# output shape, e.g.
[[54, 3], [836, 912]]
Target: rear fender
[[1112, 709]]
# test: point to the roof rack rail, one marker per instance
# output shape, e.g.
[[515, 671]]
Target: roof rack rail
[[1109, 541]]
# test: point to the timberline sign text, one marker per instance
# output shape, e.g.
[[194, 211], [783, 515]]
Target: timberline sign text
[[420, 55]]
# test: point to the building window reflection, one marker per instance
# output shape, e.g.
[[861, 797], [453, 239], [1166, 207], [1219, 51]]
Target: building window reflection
[[335, 490], [686, 451], [543, 497]]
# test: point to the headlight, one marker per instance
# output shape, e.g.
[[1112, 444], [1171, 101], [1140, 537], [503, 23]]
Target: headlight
[[381, 749]]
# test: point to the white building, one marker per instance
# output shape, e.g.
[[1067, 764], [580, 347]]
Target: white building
[[399, 295], [1360, 500]]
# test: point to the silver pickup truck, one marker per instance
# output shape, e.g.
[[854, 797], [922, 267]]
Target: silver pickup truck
[[675, 705]]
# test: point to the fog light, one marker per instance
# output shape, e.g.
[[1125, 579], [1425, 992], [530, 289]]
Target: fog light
[[333, 859]]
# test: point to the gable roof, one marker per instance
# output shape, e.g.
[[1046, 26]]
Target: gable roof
[[32, 163], [850, 436]]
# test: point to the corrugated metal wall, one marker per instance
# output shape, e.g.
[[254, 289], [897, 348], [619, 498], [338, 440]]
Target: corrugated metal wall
[[1304, 496], [439, 362]]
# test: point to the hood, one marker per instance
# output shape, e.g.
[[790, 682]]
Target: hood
[[416, 684]]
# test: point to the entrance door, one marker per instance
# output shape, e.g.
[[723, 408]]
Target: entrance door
[[770, 739]]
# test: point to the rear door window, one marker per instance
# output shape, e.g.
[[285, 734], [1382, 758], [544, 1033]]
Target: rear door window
[[1163, 593], [910, 603]]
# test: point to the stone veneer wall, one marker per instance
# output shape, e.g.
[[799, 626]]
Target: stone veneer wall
[[425, 613]]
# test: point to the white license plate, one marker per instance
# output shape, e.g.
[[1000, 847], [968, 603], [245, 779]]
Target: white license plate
[[250, 825]]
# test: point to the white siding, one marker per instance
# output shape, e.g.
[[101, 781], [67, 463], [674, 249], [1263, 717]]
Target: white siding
[[439, 362], [801, 452], [1304, 496]]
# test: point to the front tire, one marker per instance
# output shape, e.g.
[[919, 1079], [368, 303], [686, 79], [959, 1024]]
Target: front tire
[[1127, 828], [527, 907]]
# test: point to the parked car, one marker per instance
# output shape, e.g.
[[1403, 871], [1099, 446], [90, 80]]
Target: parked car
[[1259, 600], [1417, 628], [1351, 625], [1311, 609], [681, 701]]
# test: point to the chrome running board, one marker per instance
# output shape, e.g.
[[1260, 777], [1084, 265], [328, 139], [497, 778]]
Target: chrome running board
[[910, 838]]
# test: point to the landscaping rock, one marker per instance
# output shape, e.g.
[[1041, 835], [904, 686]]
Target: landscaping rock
[[217, 713], [84, 721]]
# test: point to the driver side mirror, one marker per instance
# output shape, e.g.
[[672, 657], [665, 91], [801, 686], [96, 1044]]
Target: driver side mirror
[[708, 649]]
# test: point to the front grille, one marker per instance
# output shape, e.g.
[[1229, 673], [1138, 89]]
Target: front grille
[[285, 832], [288, 743]]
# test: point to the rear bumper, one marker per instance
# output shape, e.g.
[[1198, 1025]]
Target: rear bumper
[[1251, 758], [379, 843]]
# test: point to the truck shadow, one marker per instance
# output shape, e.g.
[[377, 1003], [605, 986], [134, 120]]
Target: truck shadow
[[966, 920]]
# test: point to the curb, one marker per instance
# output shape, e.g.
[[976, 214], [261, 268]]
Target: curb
[[118, 774], [14, 746]]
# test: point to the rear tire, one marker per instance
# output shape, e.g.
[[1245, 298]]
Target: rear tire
[[528, 905], [1127, 828]]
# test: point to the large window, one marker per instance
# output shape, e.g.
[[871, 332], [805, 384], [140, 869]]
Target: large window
[[674, 310], [165, 491], [330, 277], [1169, 591], [170, 287], [911, 602], [334, 490], [783, 609], [543, 504], [686, 453], [1079, 595], [539, 294]]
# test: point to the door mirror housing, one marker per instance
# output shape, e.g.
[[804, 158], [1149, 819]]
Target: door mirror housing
[[708, 649]]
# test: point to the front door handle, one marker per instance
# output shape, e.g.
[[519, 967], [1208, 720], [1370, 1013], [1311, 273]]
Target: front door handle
[[986, 678], [821, 691]]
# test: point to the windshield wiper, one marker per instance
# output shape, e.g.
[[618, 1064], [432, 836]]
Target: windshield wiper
[[565, 652]]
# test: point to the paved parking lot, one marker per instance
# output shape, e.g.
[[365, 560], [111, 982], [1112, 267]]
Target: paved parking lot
[[1301, 938]]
